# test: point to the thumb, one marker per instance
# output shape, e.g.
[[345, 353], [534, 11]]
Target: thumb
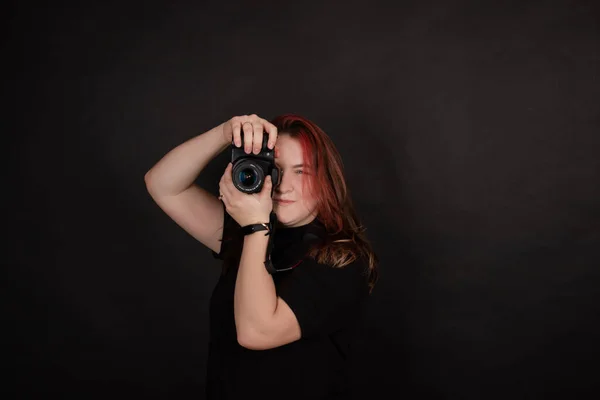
[[266, 190]]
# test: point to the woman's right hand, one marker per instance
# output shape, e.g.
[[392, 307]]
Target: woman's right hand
[[253, 128]]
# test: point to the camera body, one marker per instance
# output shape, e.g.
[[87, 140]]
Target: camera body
[[249, 171]]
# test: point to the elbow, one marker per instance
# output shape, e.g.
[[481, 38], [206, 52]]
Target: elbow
[[250, 340], [147, 178], [148, 181], [245, 342]]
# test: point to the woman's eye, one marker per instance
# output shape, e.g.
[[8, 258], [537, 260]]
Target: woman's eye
[[300, 171]]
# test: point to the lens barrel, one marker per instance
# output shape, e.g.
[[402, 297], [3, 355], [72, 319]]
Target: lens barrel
[[248, 176]]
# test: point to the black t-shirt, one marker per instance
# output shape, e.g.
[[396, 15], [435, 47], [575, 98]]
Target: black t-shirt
[[327, 302]]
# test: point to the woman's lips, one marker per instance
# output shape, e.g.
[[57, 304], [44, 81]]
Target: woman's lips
[[283, 202]]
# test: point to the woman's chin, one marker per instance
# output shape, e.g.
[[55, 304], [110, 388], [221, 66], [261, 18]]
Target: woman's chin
[[282, 216]]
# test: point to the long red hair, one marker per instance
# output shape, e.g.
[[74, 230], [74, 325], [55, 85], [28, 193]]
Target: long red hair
[[335, 208]]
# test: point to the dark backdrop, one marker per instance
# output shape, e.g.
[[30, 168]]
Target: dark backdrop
[[470, 135]]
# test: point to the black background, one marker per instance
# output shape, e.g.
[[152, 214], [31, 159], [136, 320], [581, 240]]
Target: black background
[[470, 136]]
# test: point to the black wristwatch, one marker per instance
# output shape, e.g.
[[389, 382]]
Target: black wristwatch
[[249, 229]]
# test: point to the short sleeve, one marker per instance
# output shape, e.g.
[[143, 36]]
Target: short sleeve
[[324, 299]]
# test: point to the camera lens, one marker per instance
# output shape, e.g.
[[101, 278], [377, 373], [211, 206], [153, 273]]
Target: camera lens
[[247, 177]]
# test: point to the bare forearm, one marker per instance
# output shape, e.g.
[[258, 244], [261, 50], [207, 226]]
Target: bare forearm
[[180, 167], [255, 297]]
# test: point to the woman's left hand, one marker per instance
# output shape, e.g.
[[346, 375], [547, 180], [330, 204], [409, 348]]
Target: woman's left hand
[[246, 208]]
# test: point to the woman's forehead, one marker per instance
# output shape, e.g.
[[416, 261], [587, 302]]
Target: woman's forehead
[[288, 151], [291, 162]]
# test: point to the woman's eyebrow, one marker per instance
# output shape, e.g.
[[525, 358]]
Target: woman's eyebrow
[[293, 166]]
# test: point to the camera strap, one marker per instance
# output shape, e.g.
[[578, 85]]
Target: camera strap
[[272, 224]]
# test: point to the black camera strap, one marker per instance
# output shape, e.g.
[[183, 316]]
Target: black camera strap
[[315, 233], [272, 224]]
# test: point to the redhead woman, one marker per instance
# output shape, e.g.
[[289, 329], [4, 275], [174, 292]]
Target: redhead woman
[[296, 265]]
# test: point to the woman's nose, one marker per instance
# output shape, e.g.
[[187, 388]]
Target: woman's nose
[[284, 183]]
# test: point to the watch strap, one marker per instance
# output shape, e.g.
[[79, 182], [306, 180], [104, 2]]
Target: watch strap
[[252, 228], [270, 228]]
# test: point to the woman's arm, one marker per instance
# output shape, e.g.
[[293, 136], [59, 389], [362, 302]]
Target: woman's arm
[[255, 298], [180, 167], [171, 184]]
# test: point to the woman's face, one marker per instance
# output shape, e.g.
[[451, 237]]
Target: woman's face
[[301, 209]]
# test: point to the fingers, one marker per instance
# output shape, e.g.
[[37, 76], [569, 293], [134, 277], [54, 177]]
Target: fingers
[[247, 127], [227, 174], [272, 130], [267, 186], [267, 191], [236, 125], [253, 129], [258, 137]]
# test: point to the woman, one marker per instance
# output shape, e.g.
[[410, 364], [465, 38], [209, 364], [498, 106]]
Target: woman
[[286, 332]]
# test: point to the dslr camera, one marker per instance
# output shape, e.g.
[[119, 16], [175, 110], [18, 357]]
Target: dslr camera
[[249, 171]]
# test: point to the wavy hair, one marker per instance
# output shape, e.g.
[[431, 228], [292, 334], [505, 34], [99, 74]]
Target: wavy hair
[[335, 208]]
